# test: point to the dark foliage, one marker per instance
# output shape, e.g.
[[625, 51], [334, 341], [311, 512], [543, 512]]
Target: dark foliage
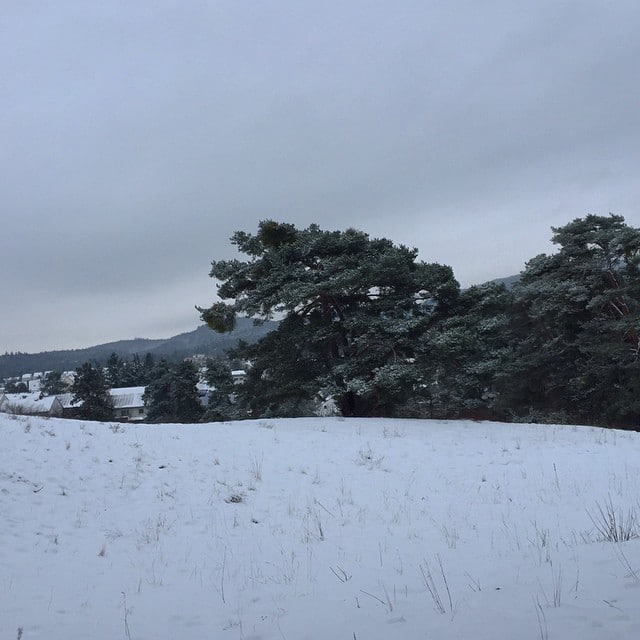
[[353, 310], [380, 333], [577, 317], [91, 393], [172, 395], [221, 402]]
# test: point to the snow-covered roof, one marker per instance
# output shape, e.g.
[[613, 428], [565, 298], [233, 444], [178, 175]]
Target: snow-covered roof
[[28, 402], [127, 397], [66, 400], [123, 398]]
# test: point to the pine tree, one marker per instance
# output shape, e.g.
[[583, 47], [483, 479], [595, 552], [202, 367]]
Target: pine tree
[[172, 395], [91, 394], [221, 401], [577, 316], [353, 307], [15, 385], [184, 393], [132, 373], [52, 384], [157, 395], [115, 371], [462, 356]]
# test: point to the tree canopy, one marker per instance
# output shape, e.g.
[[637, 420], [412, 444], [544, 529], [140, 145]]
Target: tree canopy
[[366, 325], [352, 308], [52, 384], [577, 320], [91, 393], [172, 395]]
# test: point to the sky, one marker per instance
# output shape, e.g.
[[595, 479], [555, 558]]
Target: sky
[[137, 137]]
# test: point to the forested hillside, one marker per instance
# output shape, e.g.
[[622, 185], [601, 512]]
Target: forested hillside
[[200, 341]]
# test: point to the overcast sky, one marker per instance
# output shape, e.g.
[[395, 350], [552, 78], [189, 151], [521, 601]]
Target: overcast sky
[[136, 137]]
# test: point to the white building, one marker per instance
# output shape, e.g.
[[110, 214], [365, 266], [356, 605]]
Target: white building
[[30, 404], [128, 404]]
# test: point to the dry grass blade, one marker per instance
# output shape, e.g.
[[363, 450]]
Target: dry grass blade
[[613, 525]]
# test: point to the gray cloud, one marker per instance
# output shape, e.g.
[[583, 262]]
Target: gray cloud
[[138, 136]]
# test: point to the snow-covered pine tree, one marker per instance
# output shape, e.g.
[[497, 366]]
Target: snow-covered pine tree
[[462, 356], [577, 315], [352, 308]]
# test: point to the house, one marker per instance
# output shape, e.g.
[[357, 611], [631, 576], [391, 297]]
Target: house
[[33, 381], [238, 375], [67, 378], [68, 405], [204, 389], [128, 404], [30, 404]]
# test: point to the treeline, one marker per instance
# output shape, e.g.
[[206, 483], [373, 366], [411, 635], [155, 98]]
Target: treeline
[[174, 392], [174, 349], [368, 330]]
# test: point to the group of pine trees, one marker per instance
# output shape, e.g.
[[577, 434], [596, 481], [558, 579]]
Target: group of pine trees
[[171, 389], [367, 327]]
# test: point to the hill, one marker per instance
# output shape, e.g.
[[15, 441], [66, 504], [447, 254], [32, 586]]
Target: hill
[[317, 529], [201, 340], [508, 282]]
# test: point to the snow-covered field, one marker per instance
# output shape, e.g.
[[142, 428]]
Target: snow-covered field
[[316, 528]]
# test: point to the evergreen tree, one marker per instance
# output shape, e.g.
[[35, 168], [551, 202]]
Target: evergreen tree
[[172, 395], [15, 386], [157, 395], [577, 316], [91, 392], [353, 308], [184, 393], [132, 373], [115, 371], [221, 405], [139, 371], [52, 384], [461, 357], [148, 365], [285, 376]]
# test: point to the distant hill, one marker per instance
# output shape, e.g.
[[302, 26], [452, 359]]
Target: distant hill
[[508, 282], [200, 341]]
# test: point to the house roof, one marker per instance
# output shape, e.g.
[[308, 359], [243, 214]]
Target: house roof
[[29, 402], [127, 397], [66, 400], [122, 397]]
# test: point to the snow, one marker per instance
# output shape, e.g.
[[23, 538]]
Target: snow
[[30, 402], [315, 528], [127, 396]]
